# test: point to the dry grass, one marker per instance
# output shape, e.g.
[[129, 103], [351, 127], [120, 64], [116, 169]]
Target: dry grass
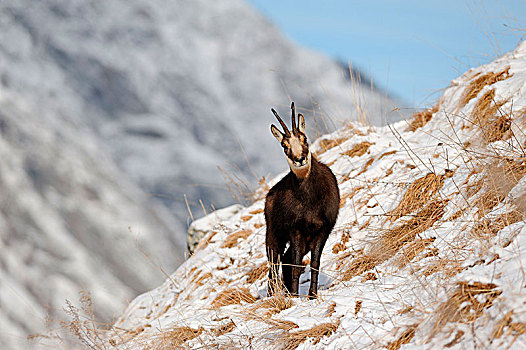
[[224, 328], [448, 267], [366, 166], [392, 240], [326, 145], [358, 149], [493, 125], [199, 279], [488, 228], [294, 339], [455, 340], [279, 301], [233, 296], [349, 195], [418, 194], [357, 306], [330, 310], [422, 118], [175, 337], [257, 273], [466, 304], [205, 241], [475, 86], [404, 338], [357, 266], [274, 304], [341, 246], [231, 239], [499, 179], [411, 250], [83, 324], [498, 329]]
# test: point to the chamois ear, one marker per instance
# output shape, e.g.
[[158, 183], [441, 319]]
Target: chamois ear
[[277, 134], [301, 123]]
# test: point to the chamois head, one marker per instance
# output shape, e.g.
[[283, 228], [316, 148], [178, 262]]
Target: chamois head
[[294, 143]]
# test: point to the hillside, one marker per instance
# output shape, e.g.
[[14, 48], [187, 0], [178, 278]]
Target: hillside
[[428, 251]]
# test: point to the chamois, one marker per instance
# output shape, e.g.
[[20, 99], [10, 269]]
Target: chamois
[[301, 210]]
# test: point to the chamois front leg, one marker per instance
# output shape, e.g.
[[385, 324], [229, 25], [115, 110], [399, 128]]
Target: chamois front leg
[[286, 269], [297, 245], [316, 251], [273, 257]]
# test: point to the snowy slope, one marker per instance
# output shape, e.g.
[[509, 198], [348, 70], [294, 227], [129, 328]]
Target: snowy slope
[[428, 251], [173, 88]]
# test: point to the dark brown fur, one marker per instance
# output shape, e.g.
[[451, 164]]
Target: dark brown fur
[[301, 212]]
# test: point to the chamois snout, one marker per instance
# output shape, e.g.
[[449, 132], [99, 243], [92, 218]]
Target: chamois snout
[[300, 210]]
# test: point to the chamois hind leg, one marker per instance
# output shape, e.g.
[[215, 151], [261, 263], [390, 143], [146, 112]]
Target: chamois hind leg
[[316, 251], [298, 250]]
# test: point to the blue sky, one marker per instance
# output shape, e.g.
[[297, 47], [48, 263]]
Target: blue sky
[[415, 48]]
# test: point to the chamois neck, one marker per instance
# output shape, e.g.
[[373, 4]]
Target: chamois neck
[[303, 172]]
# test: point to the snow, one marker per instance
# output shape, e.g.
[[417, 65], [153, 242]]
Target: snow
[[455, 291]]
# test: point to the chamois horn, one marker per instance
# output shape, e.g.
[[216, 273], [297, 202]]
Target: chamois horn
[[287, 132]]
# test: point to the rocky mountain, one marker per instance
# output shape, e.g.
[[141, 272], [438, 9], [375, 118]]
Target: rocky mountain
[[110, 108], [70, 221], [428, 251]]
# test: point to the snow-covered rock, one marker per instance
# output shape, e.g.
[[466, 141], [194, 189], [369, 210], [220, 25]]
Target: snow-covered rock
[[201, 227], [428, 251]]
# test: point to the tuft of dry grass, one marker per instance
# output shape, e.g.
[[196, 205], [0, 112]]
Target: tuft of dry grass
[[466, 304], [340, 246], [418, 194], [83, 324], [517, 328], [326, 145], [233, 296], [199, 279], [357, 306], [498, 329], [448, 267], [175, 337], [488, 228], [224, 328], [366, 166], [411, 250], [295, 338], [392, 240], [422, 118], [404, 338], [358, 266], [349, 195], [358, 149], [499, 179], [205, 241], [231, 239], [330, 310], [475, 86], [257, 273], [455, 340], [493, 126]]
